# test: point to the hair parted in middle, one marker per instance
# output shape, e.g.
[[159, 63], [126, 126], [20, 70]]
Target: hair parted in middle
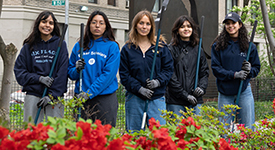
[[133, 34], [194, 38], [108, 34]]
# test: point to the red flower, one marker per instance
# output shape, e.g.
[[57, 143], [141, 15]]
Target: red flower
[[153, 123], [225, 146], [116, 144], [273, 106], [3, 132], [59, 147]]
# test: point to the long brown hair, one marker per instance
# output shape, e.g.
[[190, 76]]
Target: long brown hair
[[133, 34]]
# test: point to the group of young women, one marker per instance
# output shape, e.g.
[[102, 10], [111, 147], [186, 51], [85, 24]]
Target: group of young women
[[173, 82]]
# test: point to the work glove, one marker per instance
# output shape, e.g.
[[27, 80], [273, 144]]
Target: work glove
[[146, 92], [43, 102], [191, 99], [198, 92], [82, 95], [151, 84], [46, 80], [240, 75], [246, 66], [80, 65]]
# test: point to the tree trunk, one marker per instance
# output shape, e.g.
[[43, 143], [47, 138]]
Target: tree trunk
[[8, 54], [1, 3], [268, 32]]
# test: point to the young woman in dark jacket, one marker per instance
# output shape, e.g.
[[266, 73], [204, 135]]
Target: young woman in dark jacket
[[184, 49]]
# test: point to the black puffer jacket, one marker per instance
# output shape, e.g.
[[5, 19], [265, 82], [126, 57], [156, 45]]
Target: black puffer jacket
[[183, 79]]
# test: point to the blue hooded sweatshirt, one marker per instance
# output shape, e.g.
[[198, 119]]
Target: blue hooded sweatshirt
[[30, 65], [226, 62], [99, 74]]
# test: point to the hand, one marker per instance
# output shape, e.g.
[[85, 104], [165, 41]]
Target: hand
[[198, 92], [191, 99], [82, 95], [240, 75], [46, 80], [146, 92], [80, 65], [43, 102], [151, 84], [246, 66]]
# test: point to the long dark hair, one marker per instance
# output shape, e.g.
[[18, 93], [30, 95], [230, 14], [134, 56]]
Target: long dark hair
[[222, 39], [194, 38], [108, 34], [35, 35]]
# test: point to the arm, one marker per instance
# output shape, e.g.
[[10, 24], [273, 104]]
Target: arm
[[255, 62], [131, 84], [108, 73], [59, 86], [176, 89], [22, 68], [217, 68], [72, 73]]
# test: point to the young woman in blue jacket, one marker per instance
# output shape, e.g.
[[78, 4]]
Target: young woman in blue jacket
[[99, 66], [229, 66], [33, 65], [135, 69]]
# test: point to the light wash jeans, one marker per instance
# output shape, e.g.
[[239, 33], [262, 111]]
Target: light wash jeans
[[176, 108], [245, 115], [134, 109]]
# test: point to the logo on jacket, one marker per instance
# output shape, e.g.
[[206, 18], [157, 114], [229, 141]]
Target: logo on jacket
[[91, 61]]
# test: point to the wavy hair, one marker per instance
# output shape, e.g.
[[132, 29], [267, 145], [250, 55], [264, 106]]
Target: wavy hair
[[108, 33], [133, 34], [35, 35], [222, 39], [194, 38]]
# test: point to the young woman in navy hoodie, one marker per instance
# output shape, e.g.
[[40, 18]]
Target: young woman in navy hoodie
[[229, 66], [100, 65], [135, 69], [33, 65]]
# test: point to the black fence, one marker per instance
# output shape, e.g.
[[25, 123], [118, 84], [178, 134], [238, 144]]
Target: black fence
[[263, 90]]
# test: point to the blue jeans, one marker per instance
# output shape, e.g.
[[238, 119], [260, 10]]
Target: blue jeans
[[176, 108], [245, 115], [134, 109]]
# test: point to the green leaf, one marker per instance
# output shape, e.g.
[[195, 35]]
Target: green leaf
[[52, 134], [61, 133], [50, 140]]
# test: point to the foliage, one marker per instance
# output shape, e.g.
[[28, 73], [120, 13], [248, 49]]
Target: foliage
[[251, 13]]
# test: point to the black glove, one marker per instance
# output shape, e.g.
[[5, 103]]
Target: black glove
[[151, 84], [246, 66], [82, 95], [43, 102], [240, 75], [198, 92], [79, 65], [191, 99], [146, 92], [46, 80]]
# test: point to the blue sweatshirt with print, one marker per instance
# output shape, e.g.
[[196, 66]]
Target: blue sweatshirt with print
[[135, 68], [30, 65], [226, 62], [99, 74]]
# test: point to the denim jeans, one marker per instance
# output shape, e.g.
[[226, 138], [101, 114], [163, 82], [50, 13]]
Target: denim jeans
[[176, 108], [245, 115], [134, 109]]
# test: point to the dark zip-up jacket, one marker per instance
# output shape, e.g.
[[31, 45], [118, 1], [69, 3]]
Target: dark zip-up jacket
[[135, 68], [30, 65], [183, 79], [226, 62]]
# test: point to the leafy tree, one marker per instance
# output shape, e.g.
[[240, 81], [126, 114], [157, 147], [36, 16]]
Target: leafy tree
[[258, 9]]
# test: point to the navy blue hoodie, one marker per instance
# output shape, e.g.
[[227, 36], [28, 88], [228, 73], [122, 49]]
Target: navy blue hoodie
[[30, 65]]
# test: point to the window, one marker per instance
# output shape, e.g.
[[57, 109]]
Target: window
[[92, 1], [156, 6], [230, 4], [112, 2]]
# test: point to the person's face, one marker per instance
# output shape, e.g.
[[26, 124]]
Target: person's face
[[232, 28], [185, 31], [46, 27], [97, 26], [143, 26]]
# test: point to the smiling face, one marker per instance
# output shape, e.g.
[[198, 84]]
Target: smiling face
[[232, 28], [143, 26], [46, 28], [185, 31], [97, 26]]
